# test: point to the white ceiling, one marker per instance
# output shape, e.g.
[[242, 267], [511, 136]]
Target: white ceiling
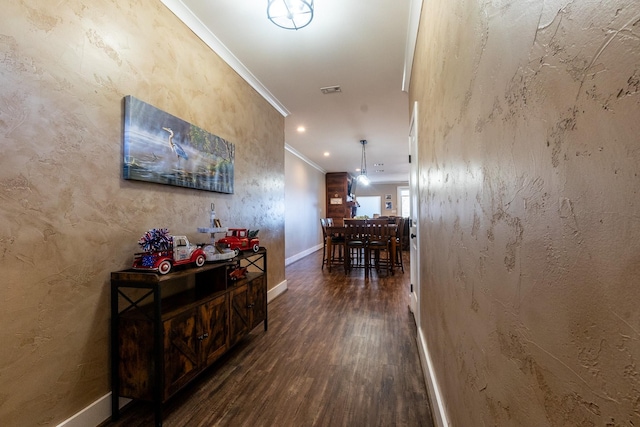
[[356, 44]]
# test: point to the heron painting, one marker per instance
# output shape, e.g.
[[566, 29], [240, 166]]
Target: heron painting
[[165, 149], [175, 147]]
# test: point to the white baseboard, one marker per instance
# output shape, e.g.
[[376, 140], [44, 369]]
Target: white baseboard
[[276, 291], [94, 414], [413, 303], [435, 397], [302, 254]]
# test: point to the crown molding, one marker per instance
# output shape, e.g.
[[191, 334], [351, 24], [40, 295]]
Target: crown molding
[[415, 10], [303, 158]]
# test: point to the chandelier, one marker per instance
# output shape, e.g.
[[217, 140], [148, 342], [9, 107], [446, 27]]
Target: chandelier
[[290, 14], [363, 178]]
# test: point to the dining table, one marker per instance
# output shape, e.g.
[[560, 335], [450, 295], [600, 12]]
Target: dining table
[[340, 230]]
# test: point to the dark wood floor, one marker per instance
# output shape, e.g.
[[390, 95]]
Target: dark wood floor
[[340, 351]]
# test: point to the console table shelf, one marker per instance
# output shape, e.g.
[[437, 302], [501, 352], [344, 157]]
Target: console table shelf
[[166, 329]]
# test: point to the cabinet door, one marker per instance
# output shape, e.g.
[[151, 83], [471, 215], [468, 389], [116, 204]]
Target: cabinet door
[[213, 334], [258, 301], [135, 347], [239, 317], [180, 356]]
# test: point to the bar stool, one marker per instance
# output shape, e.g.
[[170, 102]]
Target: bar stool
[[379, 243], [337, 244], [356, 249], [400, 242], [323, 224]]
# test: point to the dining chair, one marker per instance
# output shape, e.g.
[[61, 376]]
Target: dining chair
[[323, 225], [337, 244], [355, 241], [400, 222], [380, 245]]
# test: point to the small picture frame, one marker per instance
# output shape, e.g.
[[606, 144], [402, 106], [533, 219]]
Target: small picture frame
[[387, 196], [388, 205]]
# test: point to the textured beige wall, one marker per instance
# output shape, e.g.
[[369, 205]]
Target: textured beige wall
[[67, 218], [530, 209]]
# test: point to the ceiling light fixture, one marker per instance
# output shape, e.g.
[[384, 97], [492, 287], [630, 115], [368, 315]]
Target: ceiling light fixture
[[363, 178], [330, 89], [290, 14]]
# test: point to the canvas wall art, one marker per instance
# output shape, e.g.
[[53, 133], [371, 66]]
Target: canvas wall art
[[162, 148]]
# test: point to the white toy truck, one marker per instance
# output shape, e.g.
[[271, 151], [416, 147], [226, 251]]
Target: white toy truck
[[179, 252]]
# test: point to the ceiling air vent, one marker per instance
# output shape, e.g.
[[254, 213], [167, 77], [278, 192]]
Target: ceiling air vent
[[330, 89]]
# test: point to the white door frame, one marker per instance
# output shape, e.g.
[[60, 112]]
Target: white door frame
[[440, 413], [414, 241], [399, 201]]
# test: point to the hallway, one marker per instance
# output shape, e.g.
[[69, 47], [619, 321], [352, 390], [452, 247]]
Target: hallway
[[339, 352]]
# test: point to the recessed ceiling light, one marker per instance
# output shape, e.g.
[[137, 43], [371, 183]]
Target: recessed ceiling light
[[301, 129], [358, 170], [326, 154]]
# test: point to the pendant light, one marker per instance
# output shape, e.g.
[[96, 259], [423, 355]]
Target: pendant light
[[363, 178]]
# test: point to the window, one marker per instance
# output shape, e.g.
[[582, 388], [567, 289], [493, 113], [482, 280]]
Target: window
[[369, 205], [404, 202]]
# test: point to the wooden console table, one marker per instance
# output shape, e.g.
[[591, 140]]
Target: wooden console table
[[166, 329]]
